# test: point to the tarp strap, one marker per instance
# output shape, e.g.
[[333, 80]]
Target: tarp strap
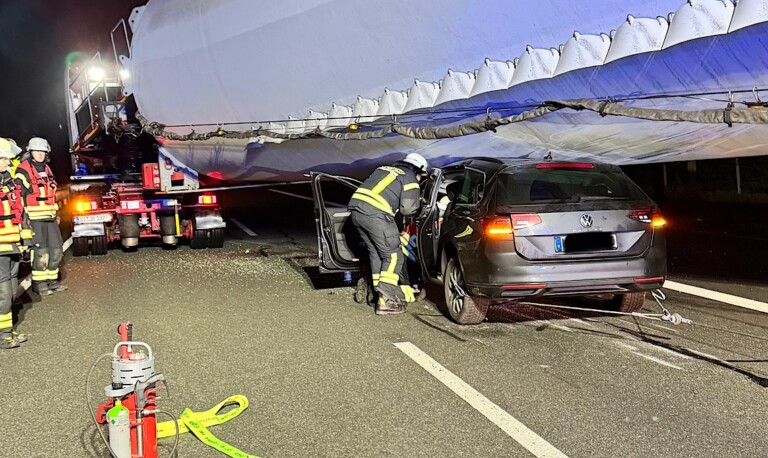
[[197, 423]]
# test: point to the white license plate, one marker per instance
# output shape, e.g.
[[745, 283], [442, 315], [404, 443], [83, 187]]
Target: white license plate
[[93, 219]]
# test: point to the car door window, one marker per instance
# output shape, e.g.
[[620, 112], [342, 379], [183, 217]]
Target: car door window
[[472, 187]]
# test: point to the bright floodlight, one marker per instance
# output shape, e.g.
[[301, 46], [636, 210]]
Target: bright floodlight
[[96, 73]]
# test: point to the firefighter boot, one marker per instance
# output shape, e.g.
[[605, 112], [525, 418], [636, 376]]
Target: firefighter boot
[[55, 285], [387, 306], [6, 343]]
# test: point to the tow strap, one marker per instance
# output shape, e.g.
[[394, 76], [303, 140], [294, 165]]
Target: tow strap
[[197, 423]]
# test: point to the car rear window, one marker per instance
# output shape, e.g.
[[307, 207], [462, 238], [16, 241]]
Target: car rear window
[[531, 186]]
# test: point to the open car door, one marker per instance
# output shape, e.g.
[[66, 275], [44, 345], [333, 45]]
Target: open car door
[[428, 224], [339, 245]]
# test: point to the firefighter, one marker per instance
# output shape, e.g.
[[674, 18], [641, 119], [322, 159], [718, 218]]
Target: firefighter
[[10, 250], [38, 189], [388, 191]]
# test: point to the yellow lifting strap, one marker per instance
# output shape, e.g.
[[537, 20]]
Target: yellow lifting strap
[[197, 423]]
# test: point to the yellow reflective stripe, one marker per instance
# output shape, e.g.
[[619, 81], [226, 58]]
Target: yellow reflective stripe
[[6, 320], [392, 263], [410, 186], [375, 201], [23, 178], [52, 274], [39, 275], [404, 250], [408, 293], [197, 423], [10, 238], [375, 279], [6, 208], [41, 208], [382, 185], [42, 191], [27, 233], [390, 279], [372, 195]]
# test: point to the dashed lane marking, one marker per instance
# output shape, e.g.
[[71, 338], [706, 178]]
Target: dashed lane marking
[[243, 227], [509, 424], [656, 360], [717, 296]]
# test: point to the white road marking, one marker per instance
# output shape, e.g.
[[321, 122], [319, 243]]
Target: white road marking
[[657, 360], [667, 350], [627, 346], [579, 320], [243, 227], [509, 424], [299, 196], [717, 296]]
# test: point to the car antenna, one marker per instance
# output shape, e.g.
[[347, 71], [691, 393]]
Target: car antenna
[[548, 158]]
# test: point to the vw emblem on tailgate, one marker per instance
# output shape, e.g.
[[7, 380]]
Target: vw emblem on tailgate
[[586, 220]]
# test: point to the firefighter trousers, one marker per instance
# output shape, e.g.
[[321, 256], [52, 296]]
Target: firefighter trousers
[[46, 253], [9, 283], [381, 236]]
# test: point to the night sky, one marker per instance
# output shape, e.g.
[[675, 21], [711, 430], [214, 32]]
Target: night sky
[[35, 38]]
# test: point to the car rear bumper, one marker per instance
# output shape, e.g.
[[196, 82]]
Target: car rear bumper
[[509, 276]]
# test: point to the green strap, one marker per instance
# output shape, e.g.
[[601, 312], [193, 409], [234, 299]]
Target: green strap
[[196, 422]]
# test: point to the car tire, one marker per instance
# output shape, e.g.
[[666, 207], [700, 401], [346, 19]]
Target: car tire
[[80, 246], [217, 238], [462, 308], [629, 302], [99, 245]]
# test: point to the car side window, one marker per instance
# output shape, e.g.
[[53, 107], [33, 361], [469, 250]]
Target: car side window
[[472, 188]]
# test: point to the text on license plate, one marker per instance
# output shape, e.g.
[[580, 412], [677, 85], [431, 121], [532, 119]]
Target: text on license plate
[[105, 218]]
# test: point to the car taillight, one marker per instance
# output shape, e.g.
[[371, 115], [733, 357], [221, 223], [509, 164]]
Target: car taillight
[[84, 206], [648, 215], [523, 220], [498, 227], [206, 199]]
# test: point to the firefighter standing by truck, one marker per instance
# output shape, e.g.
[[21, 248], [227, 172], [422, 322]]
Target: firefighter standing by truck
[[11, 233], [388, 191], [38, 190]]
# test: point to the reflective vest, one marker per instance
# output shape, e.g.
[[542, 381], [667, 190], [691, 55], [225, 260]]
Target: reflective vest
[[40, 202], [10, 217]]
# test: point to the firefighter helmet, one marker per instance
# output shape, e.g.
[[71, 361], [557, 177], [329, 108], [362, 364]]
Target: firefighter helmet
[[38, 144], [418, 161], [8, 148]]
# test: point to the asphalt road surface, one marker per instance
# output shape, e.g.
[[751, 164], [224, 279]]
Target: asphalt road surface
[[326, 377]]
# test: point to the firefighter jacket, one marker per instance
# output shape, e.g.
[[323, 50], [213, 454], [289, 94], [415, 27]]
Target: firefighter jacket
[[389, 189], [11, 216], [38, 190]]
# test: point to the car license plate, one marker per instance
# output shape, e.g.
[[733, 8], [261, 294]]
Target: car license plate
[[85, 219]]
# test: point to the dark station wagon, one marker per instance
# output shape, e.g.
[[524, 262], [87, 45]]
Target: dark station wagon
[[495, 231]]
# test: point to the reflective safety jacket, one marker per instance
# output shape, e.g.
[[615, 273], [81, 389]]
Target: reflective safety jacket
[[389, 189], [11, 209], [38, 189]]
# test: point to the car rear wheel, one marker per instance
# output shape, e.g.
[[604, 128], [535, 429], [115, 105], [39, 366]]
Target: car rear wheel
[[463, 308], [629, 302]]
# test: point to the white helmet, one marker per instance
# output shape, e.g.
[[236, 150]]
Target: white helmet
[[8, 149], [418, 161], [38, 144]]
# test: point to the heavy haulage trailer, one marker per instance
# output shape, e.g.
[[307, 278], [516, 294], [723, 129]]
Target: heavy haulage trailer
[[125, 188]]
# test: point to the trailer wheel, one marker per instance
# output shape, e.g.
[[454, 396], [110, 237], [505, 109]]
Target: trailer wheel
[[99, 245], [199, 239], [80, 246], [216, 239]]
